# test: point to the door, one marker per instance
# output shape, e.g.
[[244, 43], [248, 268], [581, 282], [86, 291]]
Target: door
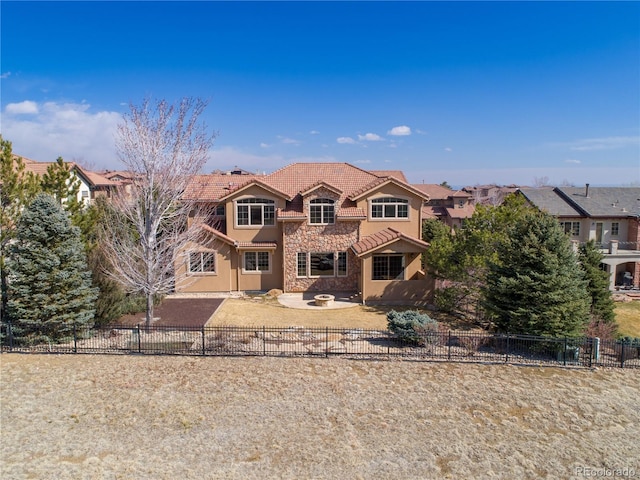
[[599, 234]]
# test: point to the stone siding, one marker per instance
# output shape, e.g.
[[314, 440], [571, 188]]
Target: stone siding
[[303, 237]]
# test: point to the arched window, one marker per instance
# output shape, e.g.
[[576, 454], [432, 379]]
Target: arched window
[[389, 207], [321, 211], [255, 211]]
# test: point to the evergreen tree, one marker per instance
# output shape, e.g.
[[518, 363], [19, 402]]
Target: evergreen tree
[[60, 182], [49, 281], [537, 287], [17, 188], [602, 305]]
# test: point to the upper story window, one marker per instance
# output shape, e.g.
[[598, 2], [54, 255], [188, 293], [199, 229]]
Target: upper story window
[[321, 211], [615, 228], [389, 207], [255, 211], [571, 228]]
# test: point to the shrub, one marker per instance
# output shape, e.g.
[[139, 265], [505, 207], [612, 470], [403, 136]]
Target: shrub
[[412, 326]]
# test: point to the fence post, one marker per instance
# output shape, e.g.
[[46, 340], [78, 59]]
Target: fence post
[[449, 347], [203, 343], [75, 339], [10, 331], [622, 355], [564, 353], [506, 353], [326, 342], [264, 341], [139, 341]]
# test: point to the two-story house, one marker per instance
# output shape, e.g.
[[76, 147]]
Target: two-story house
[[610, 216], [91, 184], [310, 227], [449, 206]]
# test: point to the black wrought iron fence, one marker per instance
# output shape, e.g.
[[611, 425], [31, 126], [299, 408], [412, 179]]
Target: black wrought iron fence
[[444, 345]]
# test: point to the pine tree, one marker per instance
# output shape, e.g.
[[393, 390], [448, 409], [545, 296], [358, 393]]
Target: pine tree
[[17, 189], [49, 283], [537, 287], [602, 305]]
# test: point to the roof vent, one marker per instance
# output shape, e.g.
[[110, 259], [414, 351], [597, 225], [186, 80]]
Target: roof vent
[[586, 192]]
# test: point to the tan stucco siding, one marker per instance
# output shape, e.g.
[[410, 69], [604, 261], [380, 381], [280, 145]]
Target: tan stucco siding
[[410, 226], [220, 281]]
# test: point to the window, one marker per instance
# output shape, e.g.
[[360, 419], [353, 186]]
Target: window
[[256, 262], [389, 208], [342, 264], [255, 211], [571, 228], [615, 228], [321, 211], [202, 262], [321, 264], [302, 264], [219, 212], [388, 267]]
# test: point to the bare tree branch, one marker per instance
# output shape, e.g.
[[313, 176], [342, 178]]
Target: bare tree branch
[[164, 146]]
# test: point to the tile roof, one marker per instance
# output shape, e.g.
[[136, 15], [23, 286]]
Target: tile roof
[[92, 178], [256, 245], [218, 234], [351, 212], [399, 174], [464, 212], [292, 180], [435, 192], [382, 238]]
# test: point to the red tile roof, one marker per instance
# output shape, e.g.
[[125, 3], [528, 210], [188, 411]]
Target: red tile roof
[[391, 173], [464, 212], [382, 238], [435, 192]]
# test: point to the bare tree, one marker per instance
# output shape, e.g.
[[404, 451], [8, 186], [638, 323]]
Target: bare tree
[[164, 146]]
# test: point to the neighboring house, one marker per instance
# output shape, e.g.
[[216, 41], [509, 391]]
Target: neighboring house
[[310, 227], [492, 195], [92, 185], [450, 207], [608, 215]]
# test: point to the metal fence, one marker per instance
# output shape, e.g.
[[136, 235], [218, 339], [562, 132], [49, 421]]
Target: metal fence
[[444, 345]]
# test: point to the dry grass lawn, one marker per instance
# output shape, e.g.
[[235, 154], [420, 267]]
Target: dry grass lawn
[[267, 311], [136, 417], [628, 318]]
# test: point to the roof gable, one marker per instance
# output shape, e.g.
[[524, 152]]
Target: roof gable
[[382, 239]]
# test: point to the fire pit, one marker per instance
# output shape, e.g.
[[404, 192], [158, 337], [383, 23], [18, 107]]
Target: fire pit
[[324, 300]]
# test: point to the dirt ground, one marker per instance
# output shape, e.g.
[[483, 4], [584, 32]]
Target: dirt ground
[[135, 417], [186, 312]]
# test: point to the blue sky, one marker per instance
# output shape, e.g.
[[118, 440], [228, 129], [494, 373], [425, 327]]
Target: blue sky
[[463, 92]]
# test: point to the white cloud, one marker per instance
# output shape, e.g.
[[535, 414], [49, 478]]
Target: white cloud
[[45, 131], [23, 108], [400, 131], [571, 160], [421, 132], [288, 141], [345, 140], [370, 137], [448, 149], [604, 143], [314, 132], [264, 145], [362, 162], [5, 75]]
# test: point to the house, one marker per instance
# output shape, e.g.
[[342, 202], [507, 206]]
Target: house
[[450, 207], [610, 216], [92, 185], [310, 227], [491, 194]]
